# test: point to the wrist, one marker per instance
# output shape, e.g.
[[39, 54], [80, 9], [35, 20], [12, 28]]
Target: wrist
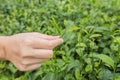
[[2, 47]]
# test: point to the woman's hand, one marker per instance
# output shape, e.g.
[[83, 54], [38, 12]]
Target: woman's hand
[[28, 50]]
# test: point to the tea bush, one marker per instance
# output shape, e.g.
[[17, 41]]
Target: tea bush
[[91, 33]]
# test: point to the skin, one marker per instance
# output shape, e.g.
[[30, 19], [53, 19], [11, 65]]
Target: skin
[[27, 51]]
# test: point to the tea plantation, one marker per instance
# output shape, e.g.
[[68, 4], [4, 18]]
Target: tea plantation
[[91, 33]]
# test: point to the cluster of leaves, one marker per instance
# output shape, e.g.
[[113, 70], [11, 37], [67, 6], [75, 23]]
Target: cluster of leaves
[[91, 33]]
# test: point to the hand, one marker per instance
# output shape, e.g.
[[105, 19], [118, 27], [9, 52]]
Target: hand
[[28, 50]]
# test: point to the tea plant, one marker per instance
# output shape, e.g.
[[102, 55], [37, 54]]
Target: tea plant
[[91, 33]]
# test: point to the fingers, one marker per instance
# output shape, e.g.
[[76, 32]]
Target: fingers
[[32, 67], [31, 61], [28, 68], [44, 36], [39, 43], [38, 35], [28, 64], [47, 37], [39, 54], [29, 50]]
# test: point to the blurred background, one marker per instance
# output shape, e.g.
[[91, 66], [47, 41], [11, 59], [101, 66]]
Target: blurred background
[[91, 33]]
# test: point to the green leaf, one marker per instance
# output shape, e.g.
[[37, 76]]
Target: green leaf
[[49, 76], [77, 74], [88, 68], [106, 59], [95, 35], [74, 28], [117, 76], [12, 68], [105, 74]]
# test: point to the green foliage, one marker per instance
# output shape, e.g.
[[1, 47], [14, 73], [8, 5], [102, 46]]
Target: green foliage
[[91, 33]]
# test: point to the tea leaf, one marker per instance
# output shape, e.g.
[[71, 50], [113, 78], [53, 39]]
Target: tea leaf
[[106, 59]]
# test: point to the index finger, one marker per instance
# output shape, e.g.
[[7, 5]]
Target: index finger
[[39, 43]]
